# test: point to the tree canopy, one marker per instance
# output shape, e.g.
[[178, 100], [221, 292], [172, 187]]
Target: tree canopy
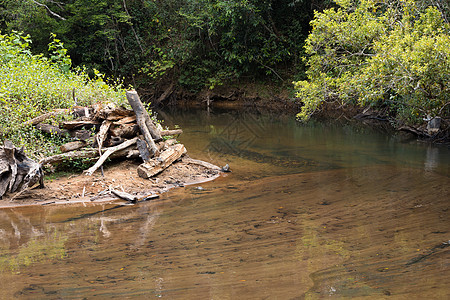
[[196, 43]]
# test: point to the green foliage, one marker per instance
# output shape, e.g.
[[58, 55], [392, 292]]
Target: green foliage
[[197, 43], [393, 53], [31, 85]]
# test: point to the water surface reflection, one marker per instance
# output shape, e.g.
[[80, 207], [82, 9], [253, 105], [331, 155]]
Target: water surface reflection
[[309, 212]]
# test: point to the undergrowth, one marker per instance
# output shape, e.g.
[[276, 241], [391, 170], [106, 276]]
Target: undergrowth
[[32, 84]]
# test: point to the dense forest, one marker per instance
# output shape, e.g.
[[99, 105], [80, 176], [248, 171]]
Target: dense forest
[[392, 55], [192, 43]]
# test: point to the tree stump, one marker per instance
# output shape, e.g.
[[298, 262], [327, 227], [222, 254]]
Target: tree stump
[[17, 171]]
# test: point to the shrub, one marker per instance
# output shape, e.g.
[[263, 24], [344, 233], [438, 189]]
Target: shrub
[[393, 53], [31, 85]]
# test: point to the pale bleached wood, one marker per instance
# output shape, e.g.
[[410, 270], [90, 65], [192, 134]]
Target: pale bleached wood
[[102, 134], [72, 146], [107, 153], [157, 165], [70, 125], [202, 163], [85, 153], [129, 152], [125, 120], [125, 196], [148, 129]]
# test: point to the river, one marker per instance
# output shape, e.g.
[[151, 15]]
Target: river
[[310, 211]]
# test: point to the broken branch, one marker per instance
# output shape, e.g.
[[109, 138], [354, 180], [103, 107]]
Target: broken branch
[[107, 153]]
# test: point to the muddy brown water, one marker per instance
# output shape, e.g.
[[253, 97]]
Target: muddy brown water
[[323, 210]]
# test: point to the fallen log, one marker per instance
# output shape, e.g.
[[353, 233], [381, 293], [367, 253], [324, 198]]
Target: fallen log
[[148, 129], [157, 165], [71, 146], [71, 125], [125, 196], [107, 153], [204, 164], [166, 94], [129, 152], [124, 130], [85, 153], [126, 120], [46, 116]]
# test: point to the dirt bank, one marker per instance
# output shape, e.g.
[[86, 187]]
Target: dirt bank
[[120, 176]]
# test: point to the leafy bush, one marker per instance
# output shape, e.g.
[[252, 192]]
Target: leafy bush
[[31, 85], [393, 53]]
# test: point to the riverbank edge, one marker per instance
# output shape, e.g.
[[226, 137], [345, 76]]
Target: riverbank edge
[[117, 175], [272, 98]]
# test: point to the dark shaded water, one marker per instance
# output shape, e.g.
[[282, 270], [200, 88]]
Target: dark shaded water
[[309, 212]]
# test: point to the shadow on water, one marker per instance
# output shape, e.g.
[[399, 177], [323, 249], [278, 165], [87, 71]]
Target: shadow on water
[[321, 210]]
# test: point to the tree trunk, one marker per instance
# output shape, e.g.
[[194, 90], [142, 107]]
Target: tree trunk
[[148, 129]]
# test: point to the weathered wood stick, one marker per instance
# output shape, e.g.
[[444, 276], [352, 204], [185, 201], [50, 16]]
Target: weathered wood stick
[[157, 165], [124, 130], [85, 153], [71, 146], [129, 152], [142, 115], [414, 131], [171, 132], [46, 116], [202, 163], [78, 123], [125, 196], [100, 138], [149, 197], [102, 134], [107, 153], [125, 120], [166, 94], [82, 134], [119, 113], [143, 150]]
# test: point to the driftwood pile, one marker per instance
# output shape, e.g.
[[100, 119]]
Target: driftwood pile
[[111, 132], [103, 131]]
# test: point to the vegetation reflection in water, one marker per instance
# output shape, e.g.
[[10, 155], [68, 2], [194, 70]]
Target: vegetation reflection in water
[[365, 218]]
